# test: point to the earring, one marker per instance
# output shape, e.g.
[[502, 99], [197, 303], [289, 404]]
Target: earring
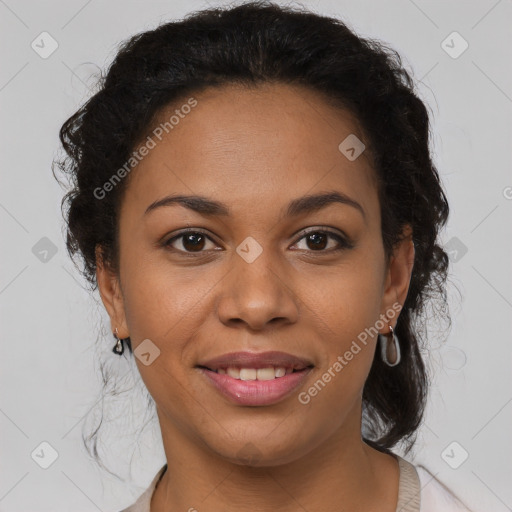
[[118, 347], [390, 347]]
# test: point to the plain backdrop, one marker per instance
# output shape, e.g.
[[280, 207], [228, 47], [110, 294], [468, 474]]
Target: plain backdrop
[[50, 377]]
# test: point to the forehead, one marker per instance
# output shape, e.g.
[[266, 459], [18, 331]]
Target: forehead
[[250, 147]]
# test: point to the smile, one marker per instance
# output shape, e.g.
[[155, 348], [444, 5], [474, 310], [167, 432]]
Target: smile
[[246, 388]]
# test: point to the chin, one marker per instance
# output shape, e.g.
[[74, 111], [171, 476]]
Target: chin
[[260, 454]]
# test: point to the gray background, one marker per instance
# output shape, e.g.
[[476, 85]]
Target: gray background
[[49, 370]]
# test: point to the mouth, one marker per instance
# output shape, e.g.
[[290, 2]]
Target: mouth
[[256, 379], [257, 361], [248, 374]]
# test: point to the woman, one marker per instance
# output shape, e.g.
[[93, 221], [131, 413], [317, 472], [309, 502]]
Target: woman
[[256, 202]]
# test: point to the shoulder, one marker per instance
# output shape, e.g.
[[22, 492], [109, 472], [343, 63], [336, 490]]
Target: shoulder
[[435, 496]]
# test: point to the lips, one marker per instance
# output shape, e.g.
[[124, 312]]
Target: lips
[[257, 361], [256, 379]]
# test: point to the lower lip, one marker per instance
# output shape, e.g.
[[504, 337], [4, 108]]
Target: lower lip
[[256, 392]]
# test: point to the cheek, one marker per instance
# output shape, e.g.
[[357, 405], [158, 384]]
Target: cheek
[[346, 299], [348, 345], [346, 306], [161, 300], [169, 307]]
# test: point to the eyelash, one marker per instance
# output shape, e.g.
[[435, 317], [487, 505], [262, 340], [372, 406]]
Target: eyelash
[[343, 243]]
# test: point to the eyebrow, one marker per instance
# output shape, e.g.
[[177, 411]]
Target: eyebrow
[[299, 206]]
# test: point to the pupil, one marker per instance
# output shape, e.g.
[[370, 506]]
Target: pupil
[[315, 238], [189, 240]]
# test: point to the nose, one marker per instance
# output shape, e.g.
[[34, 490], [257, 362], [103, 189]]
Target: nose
[[258, 294]]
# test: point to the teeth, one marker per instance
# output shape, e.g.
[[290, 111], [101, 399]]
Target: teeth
[[255, 373], [248, 373], [234, 372], [265, 374]]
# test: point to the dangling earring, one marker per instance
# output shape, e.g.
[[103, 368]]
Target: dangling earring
[[386, 344], [118, 347]]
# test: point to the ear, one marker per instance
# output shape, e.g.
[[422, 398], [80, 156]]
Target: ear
[[110, 292], [398, 275]]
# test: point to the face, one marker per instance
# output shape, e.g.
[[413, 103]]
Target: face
[[254, 275]]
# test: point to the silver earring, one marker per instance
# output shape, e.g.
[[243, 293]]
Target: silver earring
[[390, 347], [118, 347]]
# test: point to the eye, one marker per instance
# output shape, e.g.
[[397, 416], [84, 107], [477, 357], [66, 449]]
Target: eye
[[318, 240], [196, 241], [191, 241]]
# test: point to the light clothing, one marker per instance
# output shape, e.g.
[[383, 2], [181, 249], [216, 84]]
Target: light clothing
[[436, 497], [418, 491]]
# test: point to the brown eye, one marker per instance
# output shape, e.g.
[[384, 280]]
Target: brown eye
[[317, 241], [190, 241], [193, 241]]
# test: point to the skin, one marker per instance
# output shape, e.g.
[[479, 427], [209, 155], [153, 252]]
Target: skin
[[256, 150]]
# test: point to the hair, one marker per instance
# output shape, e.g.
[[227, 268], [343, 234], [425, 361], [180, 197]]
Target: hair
[[252, 44]]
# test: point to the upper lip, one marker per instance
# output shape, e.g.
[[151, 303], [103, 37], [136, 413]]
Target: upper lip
[[257, 360]]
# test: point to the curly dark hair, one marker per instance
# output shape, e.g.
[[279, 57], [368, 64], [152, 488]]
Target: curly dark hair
[[261, 42]]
